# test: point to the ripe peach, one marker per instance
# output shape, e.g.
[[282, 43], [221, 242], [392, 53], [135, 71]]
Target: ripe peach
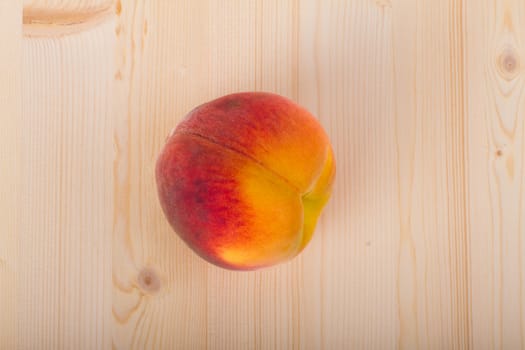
[[243, 179]]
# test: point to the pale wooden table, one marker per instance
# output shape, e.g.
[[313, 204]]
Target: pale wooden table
[[422, 245]]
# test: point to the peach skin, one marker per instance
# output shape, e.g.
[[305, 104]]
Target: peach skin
[[243, 179]]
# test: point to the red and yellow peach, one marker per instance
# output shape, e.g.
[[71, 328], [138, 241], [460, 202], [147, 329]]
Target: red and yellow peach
[[243, 179]]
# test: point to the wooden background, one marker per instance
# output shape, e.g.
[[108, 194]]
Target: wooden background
[[421, 247]]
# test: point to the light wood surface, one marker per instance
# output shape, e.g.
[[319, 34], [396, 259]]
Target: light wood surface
[[10, 145], [421, 246]]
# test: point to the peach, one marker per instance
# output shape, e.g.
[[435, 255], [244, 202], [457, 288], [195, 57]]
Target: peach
[[243, 179]]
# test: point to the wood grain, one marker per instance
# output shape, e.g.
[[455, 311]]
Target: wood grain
[[10, 133], [433, 271], [160, 74], [496, 151], [67, 163], [360, 230], [47, 18], [267, 306], [421, 246], [56, 8]]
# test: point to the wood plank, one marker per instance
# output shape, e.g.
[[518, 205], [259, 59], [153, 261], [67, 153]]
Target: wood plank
[[310, 288], [67, 162], [354, 80], [267, 307], [496, 139], [10, 132], [433, 256], [159, 285]]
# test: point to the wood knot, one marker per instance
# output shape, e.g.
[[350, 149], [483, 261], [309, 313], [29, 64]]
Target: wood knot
[[148, 281], [508, 63], [118, 7]]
